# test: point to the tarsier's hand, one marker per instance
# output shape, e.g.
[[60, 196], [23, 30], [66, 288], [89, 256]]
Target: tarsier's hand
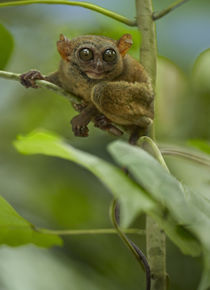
[[79, 126], [28, 79]]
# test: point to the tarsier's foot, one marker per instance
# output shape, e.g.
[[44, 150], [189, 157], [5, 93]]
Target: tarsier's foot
[[78, 127], [103, 123], [28, 79], [136, 134]]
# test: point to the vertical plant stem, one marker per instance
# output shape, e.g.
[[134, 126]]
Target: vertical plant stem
[[155, 237]]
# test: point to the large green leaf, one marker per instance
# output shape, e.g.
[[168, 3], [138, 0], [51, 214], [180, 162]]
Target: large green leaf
[[16, 231], [190, 212], [6, 46], [131, 196]]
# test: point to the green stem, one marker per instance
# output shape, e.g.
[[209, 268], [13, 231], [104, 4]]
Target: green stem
[[148, 49], [119, 231], [155, 150], [155, 237], [87, 5], [183, 154], [90, 232], [139, 255], [158, 15], [41, 84]]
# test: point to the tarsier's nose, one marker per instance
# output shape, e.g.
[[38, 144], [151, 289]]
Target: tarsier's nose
[[99, 65]]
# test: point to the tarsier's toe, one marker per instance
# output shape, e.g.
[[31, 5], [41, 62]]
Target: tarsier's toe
[[28, 79], [81, 131], [101, 121], [79, 107]]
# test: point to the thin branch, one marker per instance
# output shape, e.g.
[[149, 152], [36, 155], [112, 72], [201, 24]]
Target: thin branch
[[41, 84], [91, 232], [87, 5], [158, 15], [139, 255], [183, 154]]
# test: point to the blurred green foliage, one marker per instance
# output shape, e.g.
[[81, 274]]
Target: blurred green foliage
[[54, 193], [6, 46]]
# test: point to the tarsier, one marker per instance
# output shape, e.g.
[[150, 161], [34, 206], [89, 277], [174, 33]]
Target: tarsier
[[114, 88]]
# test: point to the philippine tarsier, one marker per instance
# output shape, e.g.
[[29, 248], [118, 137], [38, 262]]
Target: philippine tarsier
[[114, 87]]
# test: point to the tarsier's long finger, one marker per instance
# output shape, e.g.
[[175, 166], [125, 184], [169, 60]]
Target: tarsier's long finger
[[103, 123], [114, 130], [79, 107], [28, 79]]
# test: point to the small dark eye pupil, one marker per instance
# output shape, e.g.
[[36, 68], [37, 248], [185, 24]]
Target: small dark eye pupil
[[109, 55], [86, 54]]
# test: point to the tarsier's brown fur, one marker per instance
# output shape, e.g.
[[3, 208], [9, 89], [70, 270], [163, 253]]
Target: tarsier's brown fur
[[117, 92]]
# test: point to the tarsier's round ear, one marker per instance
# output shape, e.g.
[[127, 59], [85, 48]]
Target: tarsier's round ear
[[64, 47], [124, 43]]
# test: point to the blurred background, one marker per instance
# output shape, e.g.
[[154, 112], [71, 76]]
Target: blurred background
[[57, 194]]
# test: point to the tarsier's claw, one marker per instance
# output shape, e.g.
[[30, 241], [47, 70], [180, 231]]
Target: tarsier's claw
[[28, 79]]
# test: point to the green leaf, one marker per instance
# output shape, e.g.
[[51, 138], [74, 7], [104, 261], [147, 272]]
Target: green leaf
[[6, 46], [131, 196], [190, 212], [16, 231], [201, 145], [201, 72], [170, 92]]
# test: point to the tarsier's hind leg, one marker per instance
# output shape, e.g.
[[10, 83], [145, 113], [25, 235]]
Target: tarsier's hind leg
[[126, 104]]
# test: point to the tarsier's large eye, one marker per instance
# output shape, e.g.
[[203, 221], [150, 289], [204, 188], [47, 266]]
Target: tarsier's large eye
[[86, 54], [110, 55]]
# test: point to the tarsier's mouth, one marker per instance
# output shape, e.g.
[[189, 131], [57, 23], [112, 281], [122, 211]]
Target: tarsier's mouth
[[95, 75]]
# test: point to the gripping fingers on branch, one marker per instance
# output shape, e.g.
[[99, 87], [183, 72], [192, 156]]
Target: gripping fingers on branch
[[79, 126], [28, 79]]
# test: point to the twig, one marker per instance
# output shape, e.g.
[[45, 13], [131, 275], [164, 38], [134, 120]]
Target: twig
[[138, 254], [87, 5], [158, 15], [183, 154], [41, 84], [91, 232], [155, 149]]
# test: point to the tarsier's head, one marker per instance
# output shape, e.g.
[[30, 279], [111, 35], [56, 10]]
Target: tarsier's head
[[97, 57]]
